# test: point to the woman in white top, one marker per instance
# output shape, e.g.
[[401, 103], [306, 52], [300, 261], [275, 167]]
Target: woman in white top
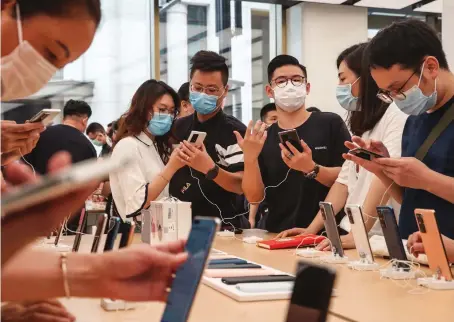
[[372, 120], [143, 132]]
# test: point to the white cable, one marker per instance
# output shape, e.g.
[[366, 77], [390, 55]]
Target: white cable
[[33, 169]]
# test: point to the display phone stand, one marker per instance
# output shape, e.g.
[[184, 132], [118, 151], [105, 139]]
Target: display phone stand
[[395, 272], [117, 305], [436, 282], [334, 258], [309, 252], [363, 264], [62, 248]]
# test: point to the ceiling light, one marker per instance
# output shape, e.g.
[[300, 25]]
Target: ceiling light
[[386, 4]]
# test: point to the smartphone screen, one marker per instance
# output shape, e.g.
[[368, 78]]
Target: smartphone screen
[[187, 279], [311, 293]]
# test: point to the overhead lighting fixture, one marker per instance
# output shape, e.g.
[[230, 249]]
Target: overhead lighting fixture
[[387, 14], [434, 7], [386, 4], [326, 1]]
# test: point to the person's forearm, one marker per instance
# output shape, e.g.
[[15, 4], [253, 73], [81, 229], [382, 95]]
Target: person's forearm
[[37, 275], [440, 185], [327, 176], [230, 181], [375, 197], [158, 184], [106, 191], [393, 188], [337, 195], [252, 184], [253, 209]]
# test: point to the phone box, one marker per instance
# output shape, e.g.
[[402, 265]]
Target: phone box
[[166, 220]]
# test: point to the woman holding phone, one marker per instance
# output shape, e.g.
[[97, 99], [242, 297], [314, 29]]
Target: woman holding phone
[[371, 119], [144, 132]]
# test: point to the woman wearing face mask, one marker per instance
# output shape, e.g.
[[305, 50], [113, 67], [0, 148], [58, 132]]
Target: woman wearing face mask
[[143, 132], [371, 119]]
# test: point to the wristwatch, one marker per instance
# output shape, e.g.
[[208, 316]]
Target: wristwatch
[[314, 173], [213, 173]]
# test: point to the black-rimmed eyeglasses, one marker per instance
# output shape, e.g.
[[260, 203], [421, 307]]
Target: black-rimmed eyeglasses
[[388, 97], [283, 81]]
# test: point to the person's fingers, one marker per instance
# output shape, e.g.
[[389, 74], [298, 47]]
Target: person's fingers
[[360, 142], [183, 160], [282, 234], [175, 247], [283, 148], [239, 138], [262, 130], [264, 136], [177, 260], [183, 156], [292, 149], [51, 309], [26, 127], [190, 146], [350, 145], [187, 151], [256, 128], [249, 129], [18, 173], [44, 317], [388, 162], [285, 157], [306, 147], [59, 161], [418, 248]]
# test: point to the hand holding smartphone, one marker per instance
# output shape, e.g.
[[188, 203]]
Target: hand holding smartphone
[[292, 137], [45, 116], [197, 138], [365, 154]]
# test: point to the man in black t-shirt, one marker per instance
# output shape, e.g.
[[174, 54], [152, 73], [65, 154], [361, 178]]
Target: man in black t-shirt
[[212, 179], [296, 181]]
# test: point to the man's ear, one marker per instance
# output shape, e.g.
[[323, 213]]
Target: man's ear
[[308, 88], [431, 68], [269, 91]]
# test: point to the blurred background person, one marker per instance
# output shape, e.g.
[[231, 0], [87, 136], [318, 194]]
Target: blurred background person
[[185, 105], [98, 136], [268, 114]]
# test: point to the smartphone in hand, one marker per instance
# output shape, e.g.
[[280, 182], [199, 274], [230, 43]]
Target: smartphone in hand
[[292, 137]]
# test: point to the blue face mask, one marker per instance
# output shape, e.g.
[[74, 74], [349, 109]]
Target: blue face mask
[[416, 103], [345, 97], [160, 124], [203, 103]]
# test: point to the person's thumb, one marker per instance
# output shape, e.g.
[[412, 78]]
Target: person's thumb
[[178, 259]]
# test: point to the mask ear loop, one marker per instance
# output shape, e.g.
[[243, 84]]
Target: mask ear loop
[[19, 24]]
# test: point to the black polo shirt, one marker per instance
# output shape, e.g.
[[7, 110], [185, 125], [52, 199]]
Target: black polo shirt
[[222, 147], [295, 202]]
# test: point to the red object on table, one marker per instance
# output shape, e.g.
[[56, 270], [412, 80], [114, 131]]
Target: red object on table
[[291, 242]]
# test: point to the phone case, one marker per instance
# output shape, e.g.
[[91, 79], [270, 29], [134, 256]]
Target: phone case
[[327, 211], [112, 235], [257, 279], [355, 216], [391, 233], [433, 244]]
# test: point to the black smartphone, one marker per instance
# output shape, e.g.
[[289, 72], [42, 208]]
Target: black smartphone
[[187, 279], [100, 226], [80, 230], [114, 228], [365, 154], [292, 137], [311, 293], [326, 208], [257, 279], [128, 234], [227, 261], [233, 266], [391, 233]]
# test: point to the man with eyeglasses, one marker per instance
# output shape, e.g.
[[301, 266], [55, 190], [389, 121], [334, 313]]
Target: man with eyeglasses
[[212, 179], [297, 181], [408, 63]]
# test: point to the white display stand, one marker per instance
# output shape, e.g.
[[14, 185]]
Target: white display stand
[[309, 253], [363, 265], [62, 248], [334, 259], [435, 284], [395, 273], [117, 305]]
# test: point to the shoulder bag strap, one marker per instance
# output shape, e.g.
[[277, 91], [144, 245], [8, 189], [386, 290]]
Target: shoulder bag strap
[[442, 125]]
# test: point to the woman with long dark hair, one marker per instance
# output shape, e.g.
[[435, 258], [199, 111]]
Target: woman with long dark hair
[[144, 132], [371, 119]]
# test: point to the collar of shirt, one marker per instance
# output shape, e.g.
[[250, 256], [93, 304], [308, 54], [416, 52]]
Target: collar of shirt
[[211, 123], [145, 139]]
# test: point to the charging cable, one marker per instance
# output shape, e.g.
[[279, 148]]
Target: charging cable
[[23, 158]]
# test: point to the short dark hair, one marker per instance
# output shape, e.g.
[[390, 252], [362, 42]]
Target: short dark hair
[[284, 60], [60, 8], [405, 43], [267, 108], [313, 109], [209, 61], [95, 127], [77, 108], [183, 92]]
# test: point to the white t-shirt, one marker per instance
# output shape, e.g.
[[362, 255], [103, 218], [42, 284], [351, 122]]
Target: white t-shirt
[[130, 187], [388, 130]]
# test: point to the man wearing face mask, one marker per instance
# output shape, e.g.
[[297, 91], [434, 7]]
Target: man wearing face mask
[[218, 164], [99, 138], [300, 180], [409, 65], [68, 136]]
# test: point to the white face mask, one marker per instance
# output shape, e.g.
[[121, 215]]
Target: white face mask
[[290, 98], [25, 71]]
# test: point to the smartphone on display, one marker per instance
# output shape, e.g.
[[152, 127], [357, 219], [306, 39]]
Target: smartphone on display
[[311, 293], [80, 230], [197, 138], [128, 234], [45, 116], [433, 244], [355, 216], [257, 279], [326, 208], [114, 228], [187, 278], [292, 137], [391, 233], [100, 226], [55, 185], [60, 232], [365, 154]]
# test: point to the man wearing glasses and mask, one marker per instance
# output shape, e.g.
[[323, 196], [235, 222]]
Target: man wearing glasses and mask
[[212, 179], [307, 174]]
